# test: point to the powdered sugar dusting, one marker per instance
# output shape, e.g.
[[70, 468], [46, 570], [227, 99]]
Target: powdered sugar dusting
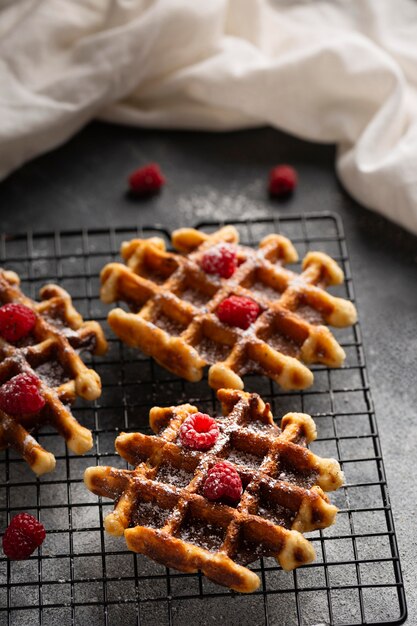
[[277, 514], [149, 514], [62, 326], [251, 367], [262, 290], [202, 534], [196, 297], [249, 552], [257, 426], [306, 479], [52, 373], [173, 475], [29, 441], [244, 458], [211, 351], [206, 201], [171, 326], [283, 344], [309, 314]]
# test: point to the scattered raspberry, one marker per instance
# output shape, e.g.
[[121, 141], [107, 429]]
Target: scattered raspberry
[[199, 431], [223, 483], [20, 395], [146, 180], [30, 526], [23, 535], [16, 545], [16, 321], [221, 260], [238, 311], [282, 181]]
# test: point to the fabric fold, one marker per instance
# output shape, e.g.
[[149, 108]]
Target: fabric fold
[[330, 71]]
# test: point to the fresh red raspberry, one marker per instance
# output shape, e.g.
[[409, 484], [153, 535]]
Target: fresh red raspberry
[[146, 180], [16, 545], [223, 483], [30, 526], [220, 259], [20, 395], [282, 181], [199, 432], [16, 321], [238, 311], [23, 535]]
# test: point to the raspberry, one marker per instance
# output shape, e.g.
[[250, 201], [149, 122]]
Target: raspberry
[[20, 395], [238, 311], [146, 180], [282, 181], [16, 321], [223, 483], [23, 535], [199, 432], [30, 526], [221, 260], [16, 545]]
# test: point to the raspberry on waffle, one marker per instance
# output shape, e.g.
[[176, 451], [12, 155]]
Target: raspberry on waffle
[[163, 513], [174, 304], [46, 360]]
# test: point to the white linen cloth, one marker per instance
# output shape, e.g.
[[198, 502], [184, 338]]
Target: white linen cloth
[[342, 71]]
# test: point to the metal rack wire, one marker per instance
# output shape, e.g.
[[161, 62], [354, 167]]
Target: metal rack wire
[[81, 575]]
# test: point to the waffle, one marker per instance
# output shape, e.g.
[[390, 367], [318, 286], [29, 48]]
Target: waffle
[[162, 514], [173, 303], [50, 352]]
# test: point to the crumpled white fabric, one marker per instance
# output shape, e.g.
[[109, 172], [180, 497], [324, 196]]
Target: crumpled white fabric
[[340, 71]]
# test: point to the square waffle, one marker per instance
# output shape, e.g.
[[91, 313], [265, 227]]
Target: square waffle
[[162, 513], [173, 306], [51, 352]]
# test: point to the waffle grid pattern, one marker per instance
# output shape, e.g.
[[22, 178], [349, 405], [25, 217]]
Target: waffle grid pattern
[[51, 352], [160, 506], [82, 575], [174, 306]]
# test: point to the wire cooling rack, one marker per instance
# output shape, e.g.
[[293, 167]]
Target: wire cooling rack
[[80, 575]]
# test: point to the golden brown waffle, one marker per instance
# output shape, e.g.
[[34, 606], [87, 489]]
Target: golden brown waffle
[[162, 513], [173, 303], [50, 352]]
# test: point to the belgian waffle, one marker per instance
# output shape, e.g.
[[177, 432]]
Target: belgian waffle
[[173, 303], [162, 513], [50, 352]]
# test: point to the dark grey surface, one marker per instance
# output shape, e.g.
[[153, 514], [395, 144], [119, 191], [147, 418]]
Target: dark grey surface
[[224, 176]]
